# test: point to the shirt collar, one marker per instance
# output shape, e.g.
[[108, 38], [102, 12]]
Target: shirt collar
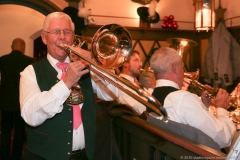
[[54, 61], [165, 82], [131, 79]]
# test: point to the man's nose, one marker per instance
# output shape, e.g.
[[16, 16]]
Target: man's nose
[[62, 34]]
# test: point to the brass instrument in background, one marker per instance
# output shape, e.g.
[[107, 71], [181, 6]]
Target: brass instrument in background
[[196, 87], [183, 46], [111, 46], [192, 75]]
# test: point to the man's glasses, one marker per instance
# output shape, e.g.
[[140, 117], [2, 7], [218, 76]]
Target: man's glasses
[[57, 32]]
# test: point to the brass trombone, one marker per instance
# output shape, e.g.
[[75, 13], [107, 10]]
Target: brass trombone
[[110, 47]]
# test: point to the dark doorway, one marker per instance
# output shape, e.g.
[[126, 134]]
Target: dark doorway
[[40, 49]]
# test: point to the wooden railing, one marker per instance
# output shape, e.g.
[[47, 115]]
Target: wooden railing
[[139, 140], [229, 22]]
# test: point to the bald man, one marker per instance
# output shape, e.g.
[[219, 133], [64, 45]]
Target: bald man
[[19, 45], [10, 67]]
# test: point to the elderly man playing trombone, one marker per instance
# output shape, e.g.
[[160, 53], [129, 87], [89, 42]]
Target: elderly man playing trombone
[[185, 107], [57, 98]]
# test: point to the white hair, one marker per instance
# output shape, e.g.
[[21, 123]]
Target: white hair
[[60, 15], [163, 58]]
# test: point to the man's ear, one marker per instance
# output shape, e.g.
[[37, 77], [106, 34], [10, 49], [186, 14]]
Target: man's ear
[[125, 65], [174, 68], [43, 35]]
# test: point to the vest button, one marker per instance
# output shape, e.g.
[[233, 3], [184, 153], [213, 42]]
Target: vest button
[[68, 143], [69, 131], [69, 153], [70, 109], [70, 121]]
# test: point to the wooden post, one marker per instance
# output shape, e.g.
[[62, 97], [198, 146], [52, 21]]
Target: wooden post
[[143, 24], [73, 3]]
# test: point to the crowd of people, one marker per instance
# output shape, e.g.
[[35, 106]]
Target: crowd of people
[[53, 98]]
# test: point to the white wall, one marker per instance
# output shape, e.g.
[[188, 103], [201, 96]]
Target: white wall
[[233, 10], [19, 21], [128, 8]]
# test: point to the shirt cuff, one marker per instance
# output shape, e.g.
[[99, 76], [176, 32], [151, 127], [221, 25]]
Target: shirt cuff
[[221, 112], [61, 90]]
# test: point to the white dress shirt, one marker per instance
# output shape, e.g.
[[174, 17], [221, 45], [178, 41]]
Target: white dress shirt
[[187, 108], [127, 99], [37, 106]]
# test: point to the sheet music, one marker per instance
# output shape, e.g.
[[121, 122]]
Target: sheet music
[[234, 153]]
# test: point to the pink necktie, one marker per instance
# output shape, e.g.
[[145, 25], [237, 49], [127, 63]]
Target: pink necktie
[[77, 117], [136, 82], [63, 66]]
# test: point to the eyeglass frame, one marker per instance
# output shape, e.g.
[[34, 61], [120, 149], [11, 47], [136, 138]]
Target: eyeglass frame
[[57, 33]]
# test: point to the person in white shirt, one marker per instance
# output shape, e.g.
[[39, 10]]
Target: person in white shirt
[[43, 96], [185, 107], [130, 71]]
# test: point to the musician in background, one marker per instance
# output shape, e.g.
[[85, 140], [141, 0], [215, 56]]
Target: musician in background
[[130, 71], [51, 90], [185, 107]]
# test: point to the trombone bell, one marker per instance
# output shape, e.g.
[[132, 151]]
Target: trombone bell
[[111, 46]]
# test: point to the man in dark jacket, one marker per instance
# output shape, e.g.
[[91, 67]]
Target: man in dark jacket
[[10, 67]]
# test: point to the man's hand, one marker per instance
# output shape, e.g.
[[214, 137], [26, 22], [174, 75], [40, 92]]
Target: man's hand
[[77, 68], [205, 99], [75, 71], [222, 99], [153, 82]]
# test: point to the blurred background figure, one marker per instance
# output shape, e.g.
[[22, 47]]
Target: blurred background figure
[[130, 71], [10, 66]]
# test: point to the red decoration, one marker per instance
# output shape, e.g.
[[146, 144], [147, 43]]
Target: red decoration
[[171, 18], [168, 22], [164, 25], [170, 25], [175, 26], [165, 18]]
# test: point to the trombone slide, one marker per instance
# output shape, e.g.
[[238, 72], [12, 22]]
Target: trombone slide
[[152, 103]]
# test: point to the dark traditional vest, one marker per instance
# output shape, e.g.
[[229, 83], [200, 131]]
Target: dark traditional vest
[[160, 93], [53, 139]]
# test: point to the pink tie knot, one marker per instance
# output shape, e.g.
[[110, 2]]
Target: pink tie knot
[[62, 65]]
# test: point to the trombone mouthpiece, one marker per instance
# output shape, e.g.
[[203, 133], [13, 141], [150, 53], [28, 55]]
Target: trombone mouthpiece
[[61, 45], [65, 48]]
